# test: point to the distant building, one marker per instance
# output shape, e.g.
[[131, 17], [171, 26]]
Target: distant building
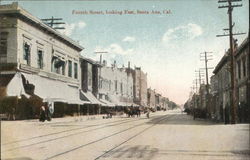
[[165, 102], [151, 98], [89, 85], [116, 85], [140, 87], [158, 101]]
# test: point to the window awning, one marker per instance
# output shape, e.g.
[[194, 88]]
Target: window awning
[[90, 97], [107, 103], [54, 90], [15, 86]]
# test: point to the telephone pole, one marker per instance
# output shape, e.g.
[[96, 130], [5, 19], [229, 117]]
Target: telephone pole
[[53, 21], [200, 74], [206, 56], [230, 7]]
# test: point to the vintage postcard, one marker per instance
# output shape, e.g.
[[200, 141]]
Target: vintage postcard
[[124, 79]]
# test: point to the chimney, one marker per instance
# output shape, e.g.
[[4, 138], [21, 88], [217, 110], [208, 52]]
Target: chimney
[[128, 64], [114, 63]]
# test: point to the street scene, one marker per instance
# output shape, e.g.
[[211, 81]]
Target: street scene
[[126, 79], [165, 135]]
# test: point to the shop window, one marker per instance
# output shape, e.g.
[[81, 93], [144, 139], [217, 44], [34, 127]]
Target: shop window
[[40, 59], [75, 70], [70, 68], [26, 53]]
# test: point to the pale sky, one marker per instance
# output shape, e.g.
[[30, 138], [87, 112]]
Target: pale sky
[[166, 46]]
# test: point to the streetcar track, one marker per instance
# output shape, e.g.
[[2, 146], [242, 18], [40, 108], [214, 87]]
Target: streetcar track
[[68, 130], [100, 139], [130, 138], [53, 139]]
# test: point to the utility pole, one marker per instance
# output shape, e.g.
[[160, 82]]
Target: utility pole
[[206, 56], [53, 21], [195, 97], [200, 74], [230, 7], [101, 52]]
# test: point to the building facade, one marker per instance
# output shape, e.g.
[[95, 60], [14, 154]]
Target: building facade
[[140, 87], [221, 88], [151, 98], [243, 81], [116, 85], [45, 61]]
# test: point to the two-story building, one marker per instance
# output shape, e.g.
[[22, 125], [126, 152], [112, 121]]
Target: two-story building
[[36, 59], [116, 85], [89, 85], [222, 86], [242, 80]]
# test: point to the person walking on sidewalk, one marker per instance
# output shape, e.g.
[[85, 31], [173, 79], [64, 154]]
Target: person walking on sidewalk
[[42, 114], [148, 113]]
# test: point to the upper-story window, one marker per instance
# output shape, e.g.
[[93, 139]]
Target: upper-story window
[[40, 58], [239, 69], [121, 88], [26, 52], [244, 67], [116, 85], [109, 85], [70, 68], [58, 65], [3, 46], [63, 69], [99, 84], [89, 81], [75, 70]]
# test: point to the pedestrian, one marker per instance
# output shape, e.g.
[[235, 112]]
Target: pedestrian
[[240, 116], [47, 112], [194, 112], [42, 114], [227, 114], [11, 115], [148, 113]]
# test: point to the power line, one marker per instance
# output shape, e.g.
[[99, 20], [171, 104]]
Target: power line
[[53, 22]]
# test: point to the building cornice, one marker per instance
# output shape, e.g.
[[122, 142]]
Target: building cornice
[[14, 10]]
